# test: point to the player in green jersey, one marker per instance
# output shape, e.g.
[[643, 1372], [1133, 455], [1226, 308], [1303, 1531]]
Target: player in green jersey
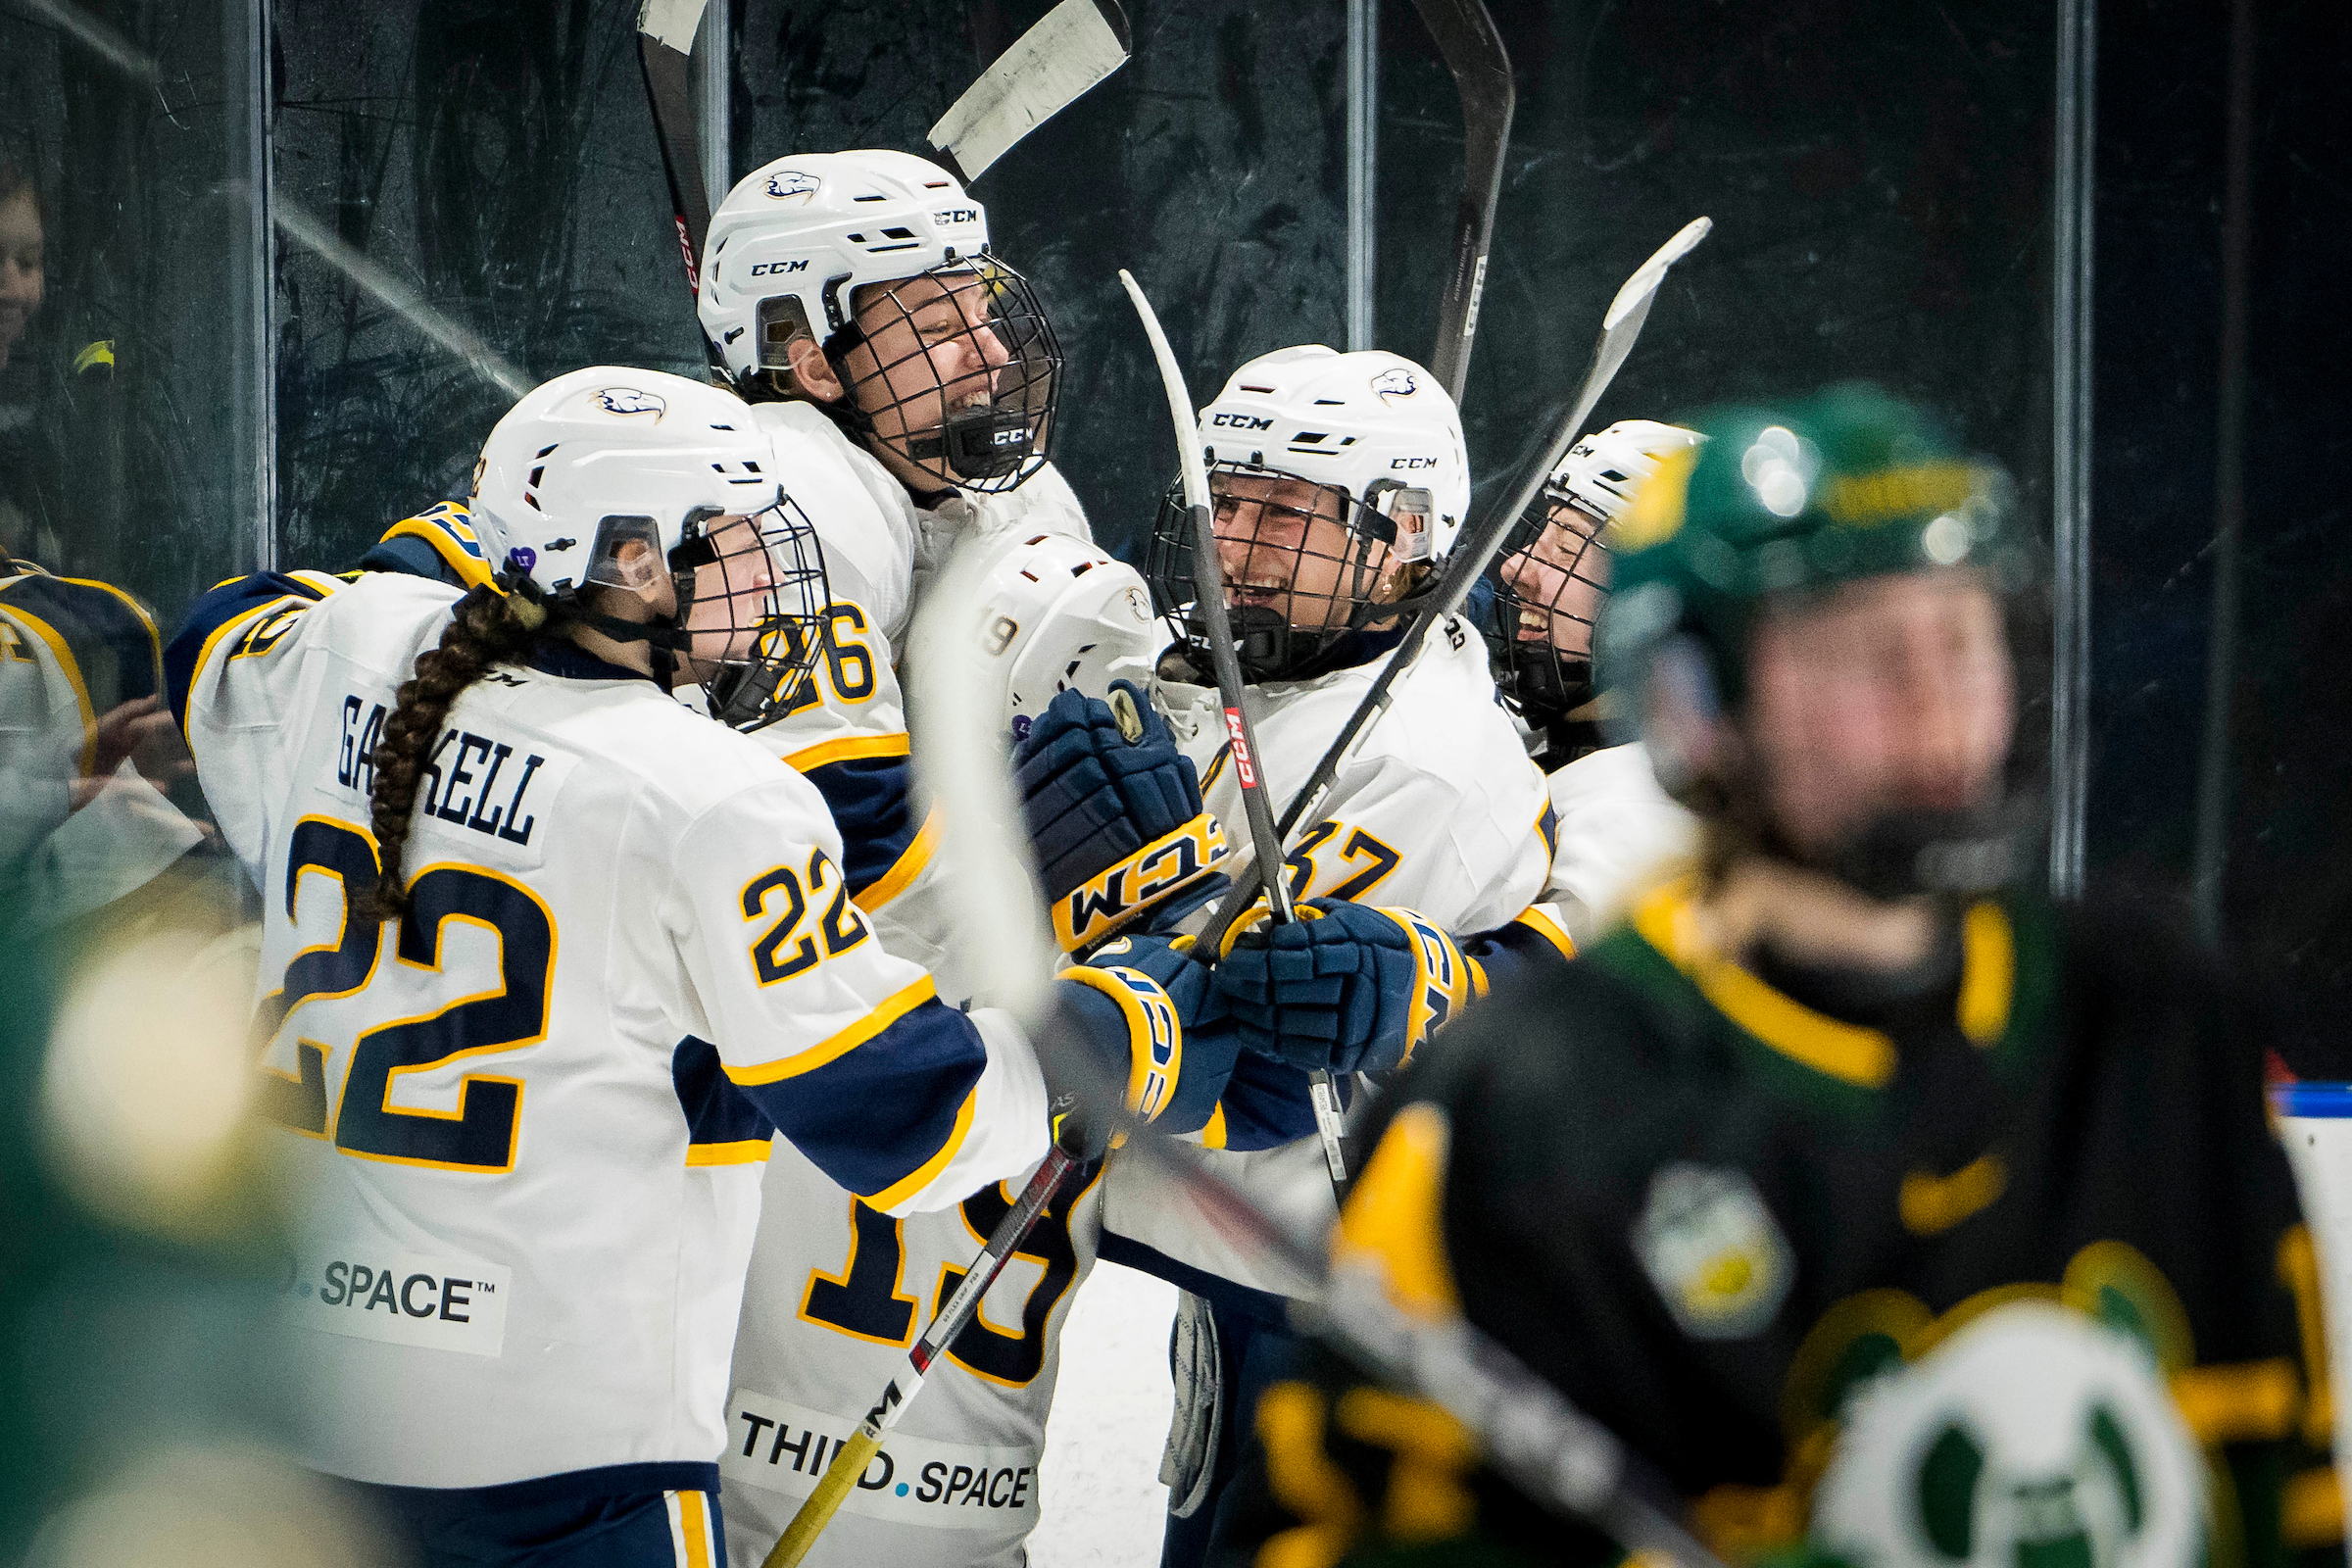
[[1892, 1214]]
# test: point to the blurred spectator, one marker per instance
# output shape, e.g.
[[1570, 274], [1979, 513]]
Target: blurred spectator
[[27, 443]]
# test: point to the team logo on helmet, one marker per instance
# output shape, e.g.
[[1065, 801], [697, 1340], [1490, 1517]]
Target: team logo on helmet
[[628, 400], [786, 183], [1396, 383]]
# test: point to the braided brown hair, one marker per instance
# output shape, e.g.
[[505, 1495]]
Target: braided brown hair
[[487, 628]]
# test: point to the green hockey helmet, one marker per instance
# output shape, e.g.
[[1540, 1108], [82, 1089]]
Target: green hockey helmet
[[1781, 505], [1848, 484]]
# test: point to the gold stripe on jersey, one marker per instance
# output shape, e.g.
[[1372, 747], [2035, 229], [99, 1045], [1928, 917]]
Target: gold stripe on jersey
[[138, 611], [848, 749], [2311, 1509], [695, 1547], [1539, 920], [923, 1175], [71, 669], [1987, 972], [741, 1152], [1666, 918], [1394, 1215], [1668, 922], [2241, 1401], [903, 872], [897, 1005]]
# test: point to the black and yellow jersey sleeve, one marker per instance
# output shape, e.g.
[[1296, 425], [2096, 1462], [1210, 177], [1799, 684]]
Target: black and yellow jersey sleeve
[[2015, 1267]]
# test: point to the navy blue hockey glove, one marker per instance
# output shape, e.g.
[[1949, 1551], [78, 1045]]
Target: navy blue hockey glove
[[1150, 1017], [1344, 987], [1114, 812]]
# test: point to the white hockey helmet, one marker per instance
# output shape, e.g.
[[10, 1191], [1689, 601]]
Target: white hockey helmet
[[795, 237], [794, 241], [599, 457], [1367, 422], [1057, 615], [1601, 472], [1380, 439], [1553, 575]]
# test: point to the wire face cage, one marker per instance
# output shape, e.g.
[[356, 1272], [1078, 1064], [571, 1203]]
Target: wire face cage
[[1548, 590], [771, 608], [1304, 565], [954, 370]]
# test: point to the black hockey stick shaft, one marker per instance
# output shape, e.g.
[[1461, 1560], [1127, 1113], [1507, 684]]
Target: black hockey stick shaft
[[858, 1451], [1472, 48], [666, 30], [1209, 603], [1620, 328]]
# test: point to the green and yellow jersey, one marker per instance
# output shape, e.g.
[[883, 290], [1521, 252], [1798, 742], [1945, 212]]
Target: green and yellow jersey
[[2002, 1266]]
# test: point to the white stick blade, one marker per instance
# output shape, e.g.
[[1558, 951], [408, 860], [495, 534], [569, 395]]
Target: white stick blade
[[671, 22], [1189, 462], [1646, 277], [1071, 47], [1006, 947]]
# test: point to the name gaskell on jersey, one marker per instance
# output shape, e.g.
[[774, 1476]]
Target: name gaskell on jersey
[[458, 789]]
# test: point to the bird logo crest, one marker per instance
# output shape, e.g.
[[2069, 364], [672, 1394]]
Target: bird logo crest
[[628, 400], [1396, 383], [787, 183]]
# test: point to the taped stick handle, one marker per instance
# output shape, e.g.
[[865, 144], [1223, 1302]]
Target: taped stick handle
[[832, 1490]]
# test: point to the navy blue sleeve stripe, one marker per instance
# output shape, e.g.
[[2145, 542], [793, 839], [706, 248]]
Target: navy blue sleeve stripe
[[872, 806], [872, 1117], [717, 1112], [411, 556]]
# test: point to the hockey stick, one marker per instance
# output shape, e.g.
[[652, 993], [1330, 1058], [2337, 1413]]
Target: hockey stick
[[1064, 53], [858, 1451], [666, 30], [1550, 1451], [1209, 596], [1472, 48], [1620, 327], [1000, 919]]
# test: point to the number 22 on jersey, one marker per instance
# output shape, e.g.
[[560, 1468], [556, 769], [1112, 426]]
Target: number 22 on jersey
[[363, 1117]]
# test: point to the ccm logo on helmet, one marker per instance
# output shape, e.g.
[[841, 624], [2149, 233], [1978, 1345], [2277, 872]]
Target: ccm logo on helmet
[[765, 268], [1241, 422], [1412, 463], [957, 215]]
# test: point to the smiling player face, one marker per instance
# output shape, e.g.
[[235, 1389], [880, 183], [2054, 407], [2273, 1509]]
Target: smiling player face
[[1560, 580], [927, 349], [1283, 546]]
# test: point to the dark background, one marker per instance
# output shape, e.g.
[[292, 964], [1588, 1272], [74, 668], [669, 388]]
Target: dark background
[[1881, 179]]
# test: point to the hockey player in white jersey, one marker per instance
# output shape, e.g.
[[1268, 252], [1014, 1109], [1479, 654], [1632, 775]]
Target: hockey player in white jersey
[[1614, 825], [909, 376], [548, 956], [1338, 482], [845, 1288]]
